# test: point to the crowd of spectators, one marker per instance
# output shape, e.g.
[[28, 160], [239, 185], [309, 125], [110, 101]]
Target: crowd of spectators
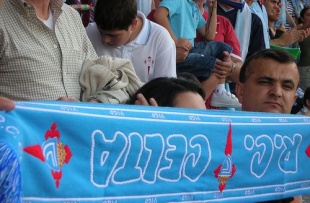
[[44, 45]]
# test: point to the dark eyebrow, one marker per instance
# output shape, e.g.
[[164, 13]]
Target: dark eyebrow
[[275, 1], [285, 81], [266, 78], [289, 81]]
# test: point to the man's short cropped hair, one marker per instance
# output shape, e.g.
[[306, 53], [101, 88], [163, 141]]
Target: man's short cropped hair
[[111, 15], [280, 56]]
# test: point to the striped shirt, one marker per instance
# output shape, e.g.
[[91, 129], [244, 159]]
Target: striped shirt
[[37, 63], [290, 10]]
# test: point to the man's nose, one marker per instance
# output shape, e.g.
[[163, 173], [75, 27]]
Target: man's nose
[[106, 39], [276, 90]]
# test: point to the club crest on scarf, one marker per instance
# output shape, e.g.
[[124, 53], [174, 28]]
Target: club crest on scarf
[[226, 170], [53, 152]]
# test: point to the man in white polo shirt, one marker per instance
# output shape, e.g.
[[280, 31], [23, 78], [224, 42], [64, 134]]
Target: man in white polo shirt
[[122, 31]]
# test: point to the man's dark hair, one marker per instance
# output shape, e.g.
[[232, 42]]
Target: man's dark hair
[[113, 15], [164, 90], [280, 56], [306, 96], [188, 76]]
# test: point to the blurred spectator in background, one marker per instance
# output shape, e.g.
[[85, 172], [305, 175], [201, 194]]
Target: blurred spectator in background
[[304, 61]]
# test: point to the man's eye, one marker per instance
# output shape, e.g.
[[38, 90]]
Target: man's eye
[[288, 87], [264, 82]]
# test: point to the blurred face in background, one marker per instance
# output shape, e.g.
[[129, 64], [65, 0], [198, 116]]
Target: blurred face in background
[[273, 8], [249, 2], [200, 3], [306, 18]]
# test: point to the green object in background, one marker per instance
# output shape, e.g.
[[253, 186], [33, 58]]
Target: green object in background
[[294, 51]]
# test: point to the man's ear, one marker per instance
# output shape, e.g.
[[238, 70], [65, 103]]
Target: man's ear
[[295, 96], [134, 24], [239, 91]]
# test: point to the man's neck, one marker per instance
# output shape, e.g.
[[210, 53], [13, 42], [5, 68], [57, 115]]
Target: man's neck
[[271, 24], [41, 7]]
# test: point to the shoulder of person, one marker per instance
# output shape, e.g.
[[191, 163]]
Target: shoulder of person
[[69, 10]]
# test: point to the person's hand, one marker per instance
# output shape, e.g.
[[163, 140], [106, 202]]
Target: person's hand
[[142, 101], [211, 4], [6, 104], [292, 35], [181, 55], [223, 67], [306, 33], [183, 43], [68, 99], [281, 27]]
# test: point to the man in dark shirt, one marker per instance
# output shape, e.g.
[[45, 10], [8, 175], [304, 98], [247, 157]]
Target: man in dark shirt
[[256, 41]]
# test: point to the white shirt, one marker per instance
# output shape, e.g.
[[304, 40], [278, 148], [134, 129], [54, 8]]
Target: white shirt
[[144, 6], [152, 52]]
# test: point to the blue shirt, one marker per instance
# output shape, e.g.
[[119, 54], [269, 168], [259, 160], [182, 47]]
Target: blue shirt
[[184, 18]]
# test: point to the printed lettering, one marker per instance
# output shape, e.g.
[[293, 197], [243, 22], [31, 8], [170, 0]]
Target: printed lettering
[[196, 163], [126, 165], [289, 154], [256, 120], [155, 154], [158, 115], [261, 159], [130, 170], [263, 148], [227, 120], [249, 192], [117, 113], [68, 108], [194, 118], [151, 200], [187, 197], [283, 120], [175, 156], [104, 154]]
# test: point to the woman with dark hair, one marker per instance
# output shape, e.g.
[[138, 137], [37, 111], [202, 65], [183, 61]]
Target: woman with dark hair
[[304, 62], [279, 36], [170, 92]]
